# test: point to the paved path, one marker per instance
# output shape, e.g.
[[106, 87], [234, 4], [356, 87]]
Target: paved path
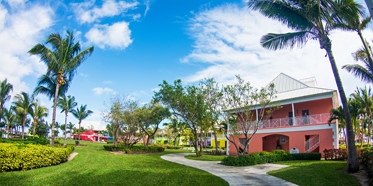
[[249, 175]]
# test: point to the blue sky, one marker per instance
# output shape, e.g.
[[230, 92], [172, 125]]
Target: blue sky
[[138, 44]]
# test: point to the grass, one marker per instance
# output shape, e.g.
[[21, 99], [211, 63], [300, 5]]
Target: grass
[[206, 157], [315, 173], [95, 166]]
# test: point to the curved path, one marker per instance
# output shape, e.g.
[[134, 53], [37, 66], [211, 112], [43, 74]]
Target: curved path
[[249, 175]]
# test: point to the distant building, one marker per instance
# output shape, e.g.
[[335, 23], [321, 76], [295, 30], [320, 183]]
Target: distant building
[[93, 135], [301, 123]]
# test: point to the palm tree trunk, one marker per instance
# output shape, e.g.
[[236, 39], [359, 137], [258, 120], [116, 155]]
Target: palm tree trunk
[[344, 133], [54, 112], [33, 133], [1, 109], [64, 144], [7, 130], [353, 158], [367, 49], [23, 125], [79, 130]]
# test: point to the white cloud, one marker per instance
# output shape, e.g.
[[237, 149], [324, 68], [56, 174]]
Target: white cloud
[[84, 75], [100, 90], [147, 4], [117, 35], [227, 39], [96, 125], [108, 82], [88, 12], [20, 30], [156, 89]]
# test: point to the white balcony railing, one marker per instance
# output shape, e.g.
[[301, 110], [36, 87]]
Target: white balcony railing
[[312, 142], [297, 121]]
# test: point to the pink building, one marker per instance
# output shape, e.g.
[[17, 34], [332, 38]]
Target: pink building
[[301, 123], [93, 135]]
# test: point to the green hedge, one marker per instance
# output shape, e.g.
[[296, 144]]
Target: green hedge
[[18, 156], [368, 161], [174, 147], [256, 158], [134, 149], [42, 141]]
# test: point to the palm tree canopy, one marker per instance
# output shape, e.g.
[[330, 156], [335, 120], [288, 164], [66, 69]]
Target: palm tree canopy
[[47, 86], [5, 89], [365, 71], [38, 111], [23, 104], [66, 104], [81, 112], [8, 115], [65, 56]]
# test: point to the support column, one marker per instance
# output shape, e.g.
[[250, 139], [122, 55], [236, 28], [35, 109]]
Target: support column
[[227, 147], [257, 118], [292, 107]]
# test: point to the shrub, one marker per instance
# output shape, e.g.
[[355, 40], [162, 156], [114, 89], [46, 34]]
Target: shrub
[[210, 147], [341, 154], [368, 161], [246, 160], [109, 142], [174, 147], [278, 152], [264, 153], [18, 156], [255, 154], [56, 141]]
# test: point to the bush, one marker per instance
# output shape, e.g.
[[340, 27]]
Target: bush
[[174, 147], [56, 141], [368, 161], [134, 149], [109, 142], [264, 153], [341, 154], [253, 159], [18, 156], [207, 147], [254, 154], [278, 152]]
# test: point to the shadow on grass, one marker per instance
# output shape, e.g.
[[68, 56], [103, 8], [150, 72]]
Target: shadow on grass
[[315, 173]]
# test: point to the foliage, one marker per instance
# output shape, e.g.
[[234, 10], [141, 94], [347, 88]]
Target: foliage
[[16, 156], [81, 113], [23, 105], [205, 157], [341, 154], [5, 89], [368, 161], [253, 159], [174, 147]]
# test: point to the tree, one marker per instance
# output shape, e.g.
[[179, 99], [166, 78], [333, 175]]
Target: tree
[[70, 126], [149, 117], [81, 113], [37, 113], [5, 89], [62, 61], [66, 105], [250, 107], [186, 103], [338, 114], [175, 127], [310, 20], [9, 118], [41, 129], [364, 97], [23, 105]]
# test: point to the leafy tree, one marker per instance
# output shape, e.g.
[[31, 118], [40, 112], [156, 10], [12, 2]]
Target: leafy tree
[[23, 105], [310, 20], [66, 104], [37, 113], [5, 89], [186, 103], [41, 129], [149, 117], [81, 113], [62, 61]]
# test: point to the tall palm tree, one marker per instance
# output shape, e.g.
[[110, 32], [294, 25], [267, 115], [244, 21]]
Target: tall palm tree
[[66, 104], [23, 105], [5, 89], [311, 20], [70, 126], [37, 113], [62, 61], [47, 85], [80, 114], [364, 97], [9, 118]]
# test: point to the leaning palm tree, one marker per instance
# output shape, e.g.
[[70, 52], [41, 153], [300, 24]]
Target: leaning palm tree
[[9, 118], [311, 19], [70, 126], [80, 114], [364, 97], [5, 89], [37, 113], [23, 105], [62, 61], [66, 104]]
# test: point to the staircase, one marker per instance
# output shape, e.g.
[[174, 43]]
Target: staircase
[[312, 143], [241, 146]]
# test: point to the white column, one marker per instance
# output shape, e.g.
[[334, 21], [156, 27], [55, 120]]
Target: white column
[[292, 107], [257, 118], [227, 147]]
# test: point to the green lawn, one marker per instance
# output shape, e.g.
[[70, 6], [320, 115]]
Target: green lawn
[[315, 173], [206, 157], [95, 166]]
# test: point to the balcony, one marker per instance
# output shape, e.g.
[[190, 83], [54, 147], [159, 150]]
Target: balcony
[[297, 121]]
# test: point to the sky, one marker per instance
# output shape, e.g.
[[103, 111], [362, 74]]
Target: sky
[[140, 43]]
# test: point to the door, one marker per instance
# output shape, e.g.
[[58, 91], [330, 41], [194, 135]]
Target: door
[[305, 117], [290, 116]]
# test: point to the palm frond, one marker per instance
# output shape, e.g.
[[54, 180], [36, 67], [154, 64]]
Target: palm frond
[[360, 72], [287, 40]]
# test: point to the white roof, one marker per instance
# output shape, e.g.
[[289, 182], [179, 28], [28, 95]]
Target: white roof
[[288, 87]]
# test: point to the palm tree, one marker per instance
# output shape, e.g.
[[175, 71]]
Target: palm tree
[[9, 118], [37, 113], [5, 89], [70, 126], [67, 105], [310, 20], [80, 114], [23, 105], [47, 85], [174, 126], [338, 114], [364, 97], [62, 61]]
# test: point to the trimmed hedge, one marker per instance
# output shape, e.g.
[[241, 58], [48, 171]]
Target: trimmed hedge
[[256, 158], [368, 161], [134, 149], [18, 156], [42, 141], [173, 147]]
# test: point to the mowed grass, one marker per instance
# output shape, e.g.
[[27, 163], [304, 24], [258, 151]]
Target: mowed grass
[[315, 173], [206, 157], [95, 166]]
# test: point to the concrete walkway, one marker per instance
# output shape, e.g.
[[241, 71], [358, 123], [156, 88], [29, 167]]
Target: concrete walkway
[[250, 175]]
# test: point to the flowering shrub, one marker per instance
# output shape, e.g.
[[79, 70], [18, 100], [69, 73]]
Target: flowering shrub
[[340, 154], [18, 156]]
